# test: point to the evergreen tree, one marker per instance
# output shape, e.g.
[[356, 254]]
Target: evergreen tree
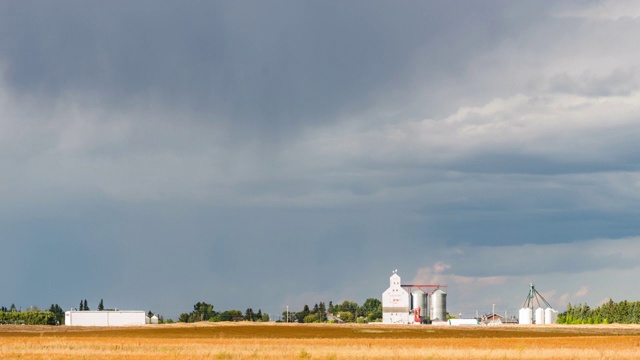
[[58, 313], [322, 311], [86, 307], [81, 308], [101, 305], [13, 308], [259, 315], [248, 315]]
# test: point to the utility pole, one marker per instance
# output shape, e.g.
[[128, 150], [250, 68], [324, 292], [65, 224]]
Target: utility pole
[[287, 313]]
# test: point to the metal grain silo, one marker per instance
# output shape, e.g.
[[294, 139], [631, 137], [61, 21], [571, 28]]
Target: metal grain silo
[[550, 316], [439, 305], [540, 316], [420, 302], [525, 316]]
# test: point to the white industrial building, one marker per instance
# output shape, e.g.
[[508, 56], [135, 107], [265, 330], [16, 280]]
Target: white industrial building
[[105, 318], [396, 303]]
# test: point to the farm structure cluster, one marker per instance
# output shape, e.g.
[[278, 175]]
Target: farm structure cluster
[[538, 316], [427, 304], [413, 304]]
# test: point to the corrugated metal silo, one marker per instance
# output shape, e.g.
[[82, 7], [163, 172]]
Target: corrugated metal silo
[[420, 301], [439, 305]]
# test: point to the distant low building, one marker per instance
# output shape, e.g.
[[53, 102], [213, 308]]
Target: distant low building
[[460, 322], [495, 319], [491, 317], [104, 318], [331, 318]]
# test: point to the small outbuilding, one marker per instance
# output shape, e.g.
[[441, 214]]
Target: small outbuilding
[[463, 322]]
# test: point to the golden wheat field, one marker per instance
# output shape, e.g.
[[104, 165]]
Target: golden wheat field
[[319, 341]]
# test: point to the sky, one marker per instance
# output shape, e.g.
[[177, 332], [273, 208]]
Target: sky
[[279, 153]]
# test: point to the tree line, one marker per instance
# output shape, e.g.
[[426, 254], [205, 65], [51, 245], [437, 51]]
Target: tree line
[[348, 311], [623, 312], [32, 316], [203, 311]]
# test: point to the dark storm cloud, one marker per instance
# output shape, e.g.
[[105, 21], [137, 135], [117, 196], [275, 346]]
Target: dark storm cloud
[[262, 66]]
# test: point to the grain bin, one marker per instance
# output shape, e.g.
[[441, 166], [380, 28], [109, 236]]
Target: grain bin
[[550, 316], [420, 302], [439, 305], [525, 316], [539, 316]]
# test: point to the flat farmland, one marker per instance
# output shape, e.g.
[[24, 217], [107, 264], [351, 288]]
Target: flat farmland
[[320, 341]]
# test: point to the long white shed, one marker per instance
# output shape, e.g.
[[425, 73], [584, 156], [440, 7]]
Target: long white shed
[[104, 318]]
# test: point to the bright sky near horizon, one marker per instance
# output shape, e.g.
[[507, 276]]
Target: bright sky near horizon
[[270, 153]]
